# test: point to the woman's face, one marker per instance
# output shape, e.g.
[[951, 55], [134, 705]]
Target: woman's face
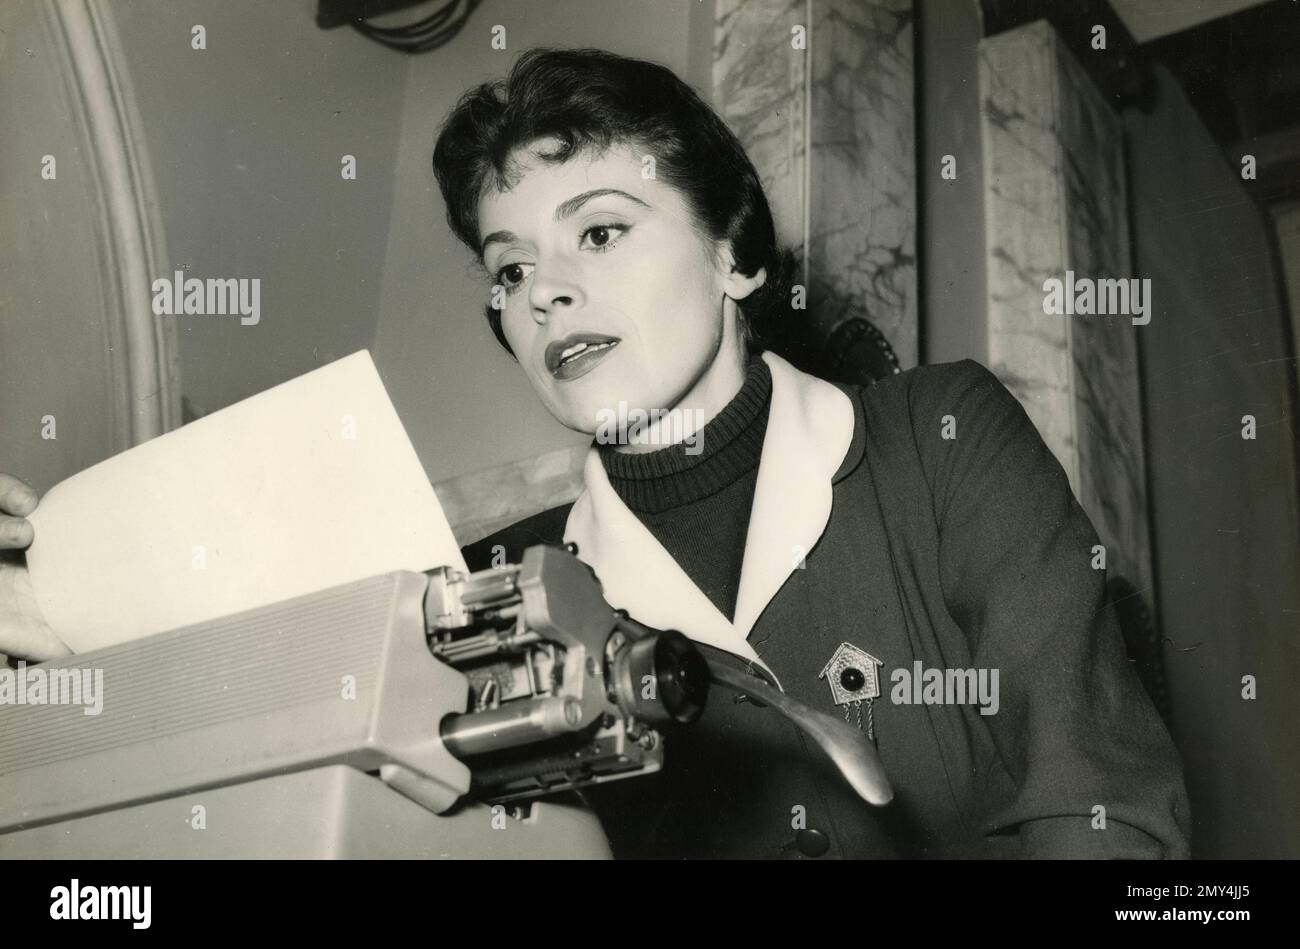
[[610, 295]]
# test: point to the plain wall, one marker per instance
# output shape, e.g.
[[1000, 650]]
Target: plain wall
[[246, 140], [1224, 509], [465, 403], [54, 332]]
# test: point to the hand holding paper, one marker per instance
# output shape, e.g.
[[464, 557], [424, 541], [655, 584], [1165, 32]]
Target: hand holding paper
[[23, 630], [308, 485]]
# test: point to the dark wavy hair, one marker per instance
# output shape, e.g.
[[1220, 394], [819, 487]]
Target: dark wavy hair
[[591, 100]]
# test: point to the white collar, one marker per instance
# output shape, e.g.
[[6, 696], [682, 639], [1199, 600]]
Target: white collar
[[809, 430]]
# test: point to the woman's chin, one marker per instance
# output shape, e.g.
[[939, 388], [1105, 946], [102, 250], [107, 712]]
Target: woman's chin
[[604, 422], [589, 408], [582, 418]]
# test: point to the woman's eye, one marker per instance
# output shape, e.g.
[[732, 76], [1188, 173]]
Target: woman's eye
[[603, 236], [512, 275]]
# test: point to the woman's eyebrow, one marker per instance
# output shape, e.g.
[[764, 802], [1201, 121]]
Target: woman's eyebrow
[[570, 207], [564, 210], [497, 237]]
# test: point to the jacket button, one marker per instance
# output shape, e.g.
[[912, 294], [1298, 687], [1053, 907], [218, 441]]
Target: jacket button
[[812, 842]]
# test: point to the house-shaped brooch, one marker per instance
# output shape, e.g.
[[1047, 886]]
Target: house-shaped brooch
[[852, 675]]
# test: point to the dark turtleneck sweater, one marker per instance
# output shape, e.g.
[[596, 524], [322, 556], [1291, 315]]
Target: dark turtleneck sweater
[[697, 506]]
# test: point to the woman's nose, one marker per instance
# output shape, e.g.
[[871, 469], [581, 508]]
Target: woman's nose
[[552, 292]]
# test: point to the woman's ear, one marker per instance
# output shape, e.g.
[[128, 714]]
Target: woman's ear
[[734, 283]]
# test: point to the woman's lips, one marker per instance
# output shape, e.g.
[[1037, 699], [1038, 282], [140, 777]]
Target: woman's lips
[[577, 355]]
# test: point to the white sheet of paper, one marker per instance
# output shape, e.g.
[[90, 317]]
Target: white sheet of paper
[[300, 488]]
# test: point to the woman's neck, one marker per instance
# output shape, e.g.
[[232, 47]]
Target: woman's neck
[[710, 394]]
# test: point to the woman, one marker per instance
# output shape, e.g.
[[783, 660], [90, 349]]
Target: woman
[[774, 517], [636, 267]]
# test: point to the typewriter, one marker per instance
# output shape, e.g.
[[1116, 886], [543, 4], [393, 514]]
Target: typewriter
[[408, 715]]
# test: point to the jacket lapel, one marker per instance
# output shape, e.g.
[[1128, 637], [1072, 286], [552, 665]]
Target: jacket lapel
[[809, 431]]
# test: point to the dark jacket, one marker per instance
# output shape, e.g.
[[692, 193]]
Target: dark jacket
[[966, 552]]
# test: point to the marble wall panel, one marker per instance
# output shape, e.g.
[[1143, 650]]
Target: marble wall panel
[[1055, 204], [1026, 240], [831, 129], [759, 87]]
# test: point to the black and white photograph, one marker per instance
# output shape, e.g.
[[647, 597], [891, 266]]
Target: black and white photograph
[[651, 431]]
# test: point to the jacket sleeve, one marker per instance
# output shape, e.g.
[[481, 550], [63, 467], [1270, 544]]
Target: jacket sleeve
[[1074, 727]]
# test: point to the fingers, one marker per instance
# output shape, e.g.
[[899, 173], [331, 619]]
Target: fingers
[[15, 533], [33, 643], [23, 630], [16, 497]]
